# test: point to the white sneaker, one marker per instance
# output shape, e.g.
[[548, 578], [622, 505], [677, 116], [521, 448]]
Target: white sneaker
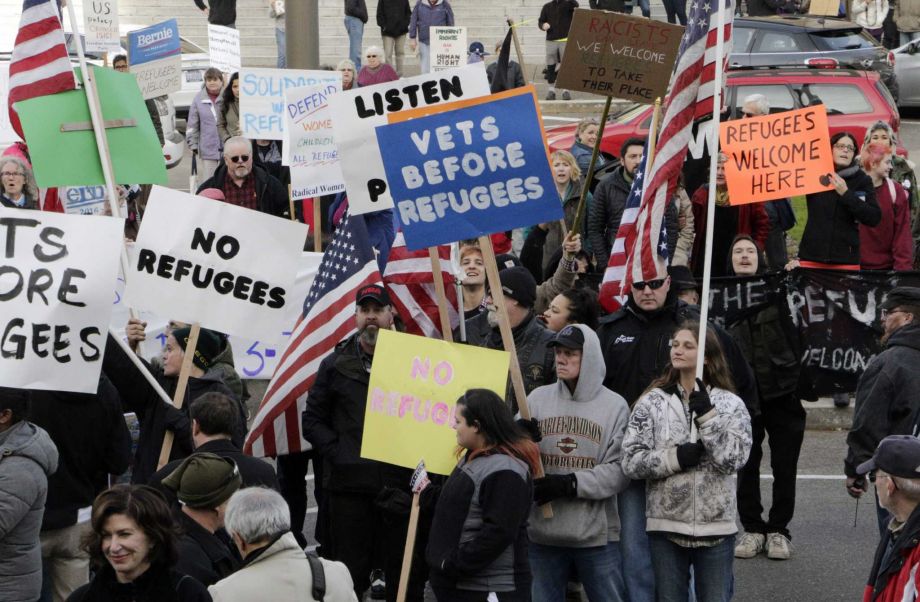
[[749, 545], [778, 547]]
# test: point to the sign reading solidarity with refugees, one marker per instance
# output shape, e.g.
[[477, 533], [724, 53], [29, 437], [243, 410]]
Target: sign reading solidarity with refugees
[[448, 47], [621, 56], [411, 398], [230, 269], [469, 171], [56, 277], [262, 98], [224, 48], [776, 156], [100, 26], [155, 58], [355, 114], [309, 145]]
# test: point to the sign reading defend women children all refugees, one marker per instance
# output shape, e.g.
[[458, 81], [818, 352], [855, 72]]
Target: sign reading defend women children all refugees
[[228, 268], [465, 172], [309, 146], [355, 114], [411, 398], [57, 273]]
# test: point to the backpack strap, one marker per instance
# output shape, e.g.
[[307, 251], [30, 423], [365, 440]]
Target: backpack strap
[[319, 576], [892, 191]]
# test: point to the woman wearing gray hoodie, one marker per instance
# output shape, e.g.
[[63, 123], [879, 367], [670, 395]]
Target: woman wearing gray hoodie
[[582, 425]]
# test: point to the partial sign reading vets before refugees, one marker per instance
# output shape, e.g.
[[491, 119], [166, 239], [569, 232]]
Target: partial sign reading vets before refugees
[[474, 170]]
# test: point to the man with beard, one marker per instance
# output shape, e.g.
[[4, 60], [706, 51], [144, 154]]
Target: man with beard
[[536, 359], [888, 393], [247, 185], [367, 501]]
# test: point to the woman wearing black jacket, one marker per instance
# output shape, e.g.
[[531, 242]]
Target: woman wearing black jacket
[[831, 237], [478, 540]]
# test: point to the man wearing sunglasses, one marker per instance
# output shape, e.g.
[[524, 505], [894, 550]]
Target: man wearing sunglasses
[[895, 470], [247, 185], [888, 392]]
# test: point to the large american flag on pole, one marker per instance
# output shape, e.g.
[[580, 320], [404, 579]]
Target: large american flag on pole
[[410, 282], [39, 64], [636, 254], [328, 317]]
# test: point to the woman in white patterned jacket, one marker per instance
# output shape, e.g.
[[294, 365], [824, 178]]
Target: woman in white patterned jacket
[[688, 439]]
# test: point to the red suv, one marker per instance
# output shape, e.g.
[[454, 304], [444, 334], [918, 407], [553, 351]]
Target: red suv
[[854, 100]]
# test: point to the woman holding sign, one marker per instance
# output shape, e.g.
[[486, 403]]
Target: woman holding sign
[[477, 549], [688, 438]]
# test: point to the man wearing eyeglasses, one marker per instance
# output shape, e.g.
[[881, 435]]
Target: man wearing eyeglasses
[[888, 392], [895, 471], [247, 185]]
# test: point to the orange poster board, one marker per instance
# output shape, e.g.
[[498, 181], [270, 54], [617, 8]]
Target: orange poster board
[[776, 156]]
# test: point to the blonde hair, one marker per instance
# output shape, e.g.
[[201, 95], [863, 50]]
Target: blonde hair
[[585, 124], [567, 157]]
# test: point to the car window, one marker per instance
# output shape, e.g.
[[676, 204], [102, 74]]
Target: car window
[[774, 41], [838, 98], [741, 39], [842, 39], [779, 96]]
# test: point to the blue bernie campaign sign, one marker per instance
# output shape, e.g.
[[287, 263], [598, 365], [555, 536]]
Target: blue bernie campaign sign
[[470, 171], [155, 42]]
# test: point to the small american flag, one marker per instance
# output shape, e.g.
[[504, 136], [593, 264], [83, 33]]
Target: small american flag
[[409, 280], [328, 317], [634, 258], [39, 64]]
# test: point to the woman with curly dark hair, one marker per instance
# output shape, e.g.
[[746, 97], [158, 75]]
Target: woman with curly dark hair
[[228, 117], [133, 548]]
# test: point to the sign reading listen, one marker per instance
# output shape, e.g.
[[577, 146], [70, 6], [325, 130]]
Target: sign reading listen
[[474, 170]]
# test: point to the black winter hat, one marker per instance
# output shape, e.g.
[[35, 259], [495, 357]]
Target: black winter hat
[[518, 283], [205, 351], [902, 295]]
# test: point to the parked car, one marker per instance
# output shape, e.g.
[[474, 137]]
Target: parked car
[[793, 40], [907, 68], [854, 101]]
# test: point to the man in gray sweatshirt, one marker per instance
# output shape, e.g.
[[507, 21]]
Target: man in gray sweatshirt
[[582, 424]]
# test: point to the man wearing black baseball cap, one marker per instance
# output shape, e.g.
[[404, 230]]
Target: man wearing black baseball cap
[[888, 392], [361, 531], [895, 470]]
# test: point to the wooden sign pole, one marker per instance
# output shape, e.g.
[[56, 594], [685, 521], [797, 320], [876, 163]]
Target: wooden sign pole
[[317, 225], [439, 289], [409, 550], [517, 381], [291, 204], [582, 202], [179, 397], [517, 45]]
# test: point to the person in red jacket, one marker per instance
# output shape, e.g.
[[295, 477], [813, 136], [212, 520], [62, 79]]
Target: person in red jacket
[[731, 221], [887, 245], [894, 470]]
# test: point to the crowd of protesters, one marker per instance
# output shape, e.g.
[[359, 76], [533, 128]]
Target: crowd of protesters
[[647, 469]]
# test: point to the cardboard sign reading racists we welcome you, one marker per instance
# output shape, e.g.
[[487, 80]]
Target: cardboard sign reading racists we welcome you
[[621, 56], [230, 269], [411, 398], [56, 278], [355, 114], [777, 156], [464, 172]]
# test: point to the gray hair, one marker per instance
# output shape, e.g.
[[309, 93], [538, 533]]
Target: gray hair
[[346, 64], [29, 188], [237, 140], [763, 105], [910, 488], [255, 514], [881, 125], [376, 51]]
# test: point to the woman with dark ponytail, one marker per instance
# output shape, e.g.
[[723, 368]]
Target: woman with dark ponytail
[[478, 541]]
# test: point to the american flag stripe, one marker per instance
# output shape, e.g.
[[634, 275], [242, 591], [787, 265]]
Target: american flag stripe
[[329, 317], [39, 64], [638, 250]]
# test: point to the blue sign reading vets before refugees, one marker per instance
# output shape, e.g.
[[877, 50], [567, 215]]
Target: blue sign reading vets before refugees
[[470, 171]]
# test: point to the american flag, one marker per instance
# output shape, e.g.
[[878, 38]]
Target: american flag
[[328, 318], [410, 282], [39, 64], [633, 258]]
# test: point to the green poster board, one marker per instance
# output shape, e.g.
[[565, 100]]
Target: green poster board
[[70, 158]]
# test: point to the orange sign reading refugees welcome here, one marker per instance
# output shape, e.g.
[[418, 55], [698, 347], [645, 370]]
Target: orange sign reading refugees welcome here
[[776, 156]]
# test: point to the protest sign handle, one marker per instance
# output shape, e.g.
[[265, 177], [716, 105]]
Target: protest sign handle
[[317, 225], [291, 204], [440, 291], [582, 202], [141, 367], [409, 550], [179, 397], [517, 45], [517, 381]]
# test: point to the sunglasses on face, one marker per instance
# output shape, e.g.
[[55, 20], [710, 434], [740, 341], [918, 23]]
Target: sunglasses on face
[[652, 284], [239, 158]]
